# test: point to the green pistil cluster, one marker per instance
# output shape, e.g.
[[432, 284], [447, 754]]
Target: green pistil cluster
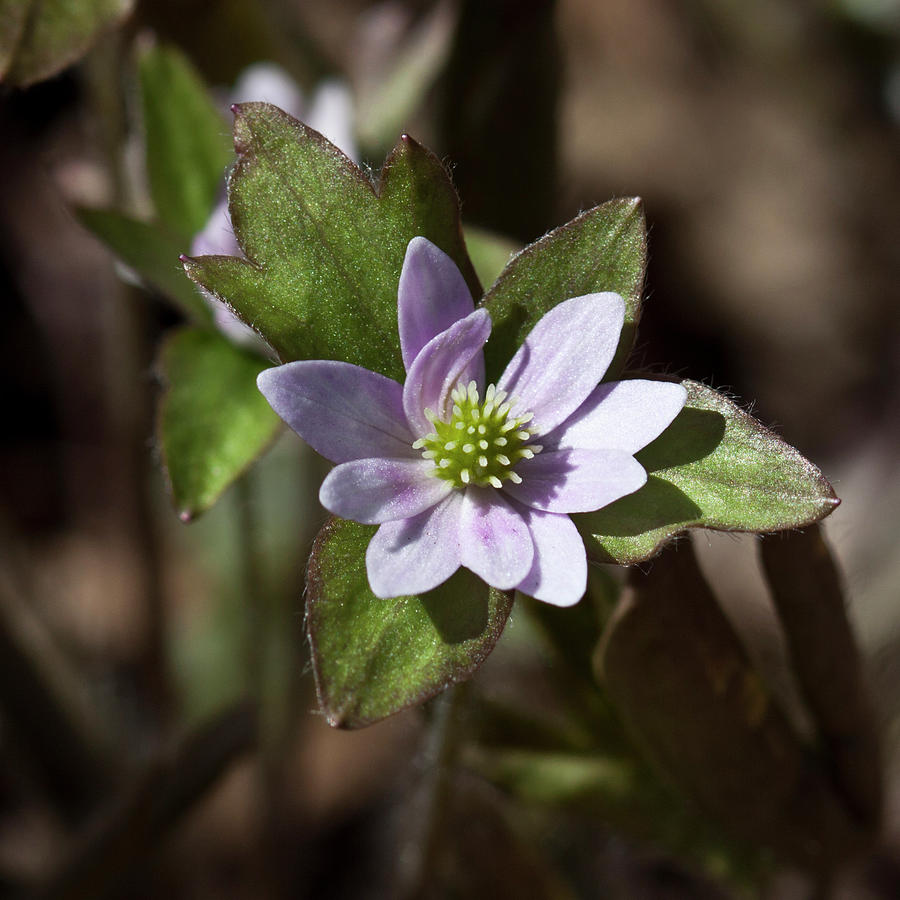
[[480, 444]]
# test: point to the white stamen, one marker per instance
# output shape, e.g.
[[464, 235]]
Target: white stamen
[[464, 476], [418, 444], [502, 459], [451, 445], [526, 453], [482, 461], [483, 445], [444, 463], [495, 481], [468, 448], [501, 441], [429, 454]]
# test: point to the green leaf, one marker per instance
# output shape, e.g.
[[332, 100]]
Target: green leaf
[[372, 657], [213, 422], [490, 252], [152, 252], [714, 467], [39, 39], [324, 246], [604, 249], [188, 150], [13, 15]]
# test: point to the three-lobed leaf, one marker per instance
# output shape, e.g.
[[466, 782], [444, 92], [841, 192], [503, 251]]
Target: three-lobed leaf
[[324, 245], [373, 657], [714, 467], [603, 249], [213, 422]]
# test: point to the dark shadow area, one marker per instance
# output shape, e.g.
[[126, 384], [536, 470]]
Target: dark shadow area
[[656, 504], [458, 608], [694, 434]]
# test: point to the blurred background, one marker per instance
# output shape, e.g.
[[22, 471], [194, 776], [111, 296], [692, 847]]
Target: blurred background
[[158, 726]]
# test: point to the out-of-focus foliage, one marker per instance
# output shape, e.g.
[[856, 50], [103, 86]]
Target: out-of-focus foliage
[[39, 38], [213, 422]]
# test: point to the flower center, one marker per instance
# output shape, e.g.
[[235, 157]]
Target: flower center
[[480, 444]]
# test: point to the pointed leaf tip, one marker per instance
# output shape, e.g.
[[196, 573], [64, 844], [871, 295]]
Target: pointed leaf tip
[[324, 247]]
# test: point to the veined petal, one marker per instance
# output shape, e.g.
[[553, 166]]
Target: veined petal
[[559, 570], [568, 481], [451, 357], [431, 297], [373, 491], [620, 415], [414, 555], [563, 358], [495, 542], [342, 411]]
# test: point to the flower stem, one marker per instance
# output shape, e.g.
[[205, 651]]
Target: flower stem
[[441, 754]]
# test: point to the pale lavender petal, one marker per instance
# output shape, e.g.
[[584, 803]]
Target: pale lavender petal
[[267, 82], [559, 571], [568, 481], [331, 113], [620, 415], [373, 491], [495, 542], [414, 555], [445, 361], [342, 411], [563, 358], [217, 237], [431, 297]]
